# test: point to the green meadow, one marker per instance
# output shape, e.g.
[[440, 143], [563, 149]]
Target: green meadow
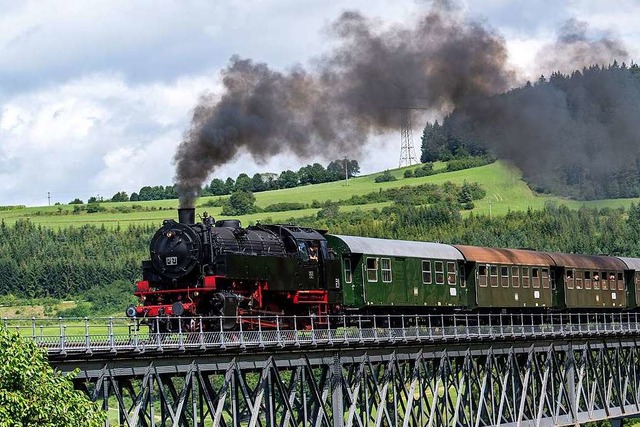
[[505, 192]]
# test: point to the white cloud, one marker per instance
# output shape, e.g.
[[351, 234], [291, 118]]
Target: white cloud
[[94, 135], [95, 96]]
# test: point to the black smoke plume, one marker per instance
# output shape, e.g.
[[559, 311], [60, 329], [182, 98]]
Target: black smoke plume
[[439, 61], [576, 134], [576, 48]]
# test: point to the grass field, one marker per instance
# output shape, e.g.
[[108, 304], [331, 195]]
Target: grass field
[[505, 191]]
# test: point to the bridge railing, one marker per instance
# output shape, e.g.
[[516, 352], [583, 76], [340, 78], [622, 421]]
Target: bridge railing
[[63, 336]]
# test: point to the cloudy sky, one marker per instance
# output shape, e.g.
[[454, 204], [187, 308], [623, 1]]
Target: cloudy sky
[[95, 96]]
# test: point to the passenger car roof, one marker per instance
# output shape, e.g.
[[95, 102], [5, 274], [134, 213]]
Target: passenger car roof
[[399, 248], [632, 263], [504, 256], [594, 262]]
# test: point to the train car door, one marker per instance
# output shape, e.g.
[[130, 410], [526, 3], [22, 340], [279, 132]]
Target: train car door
[[468, 271], [630, 288], [558, 280], [331, 274]]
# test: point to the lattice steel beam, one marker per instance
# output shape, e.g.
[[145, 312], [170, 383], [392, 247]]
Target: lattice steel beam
[[541, 384]]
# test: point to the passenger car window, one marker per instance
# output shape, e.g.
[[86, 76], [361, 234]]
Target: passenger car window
[[385, 266], [348, 275], [426, 272], [545, 277], [587, 280], [525, 277], [515, 277], [504, 277], [451, 273], [482, 276], [535, 277], [493, 276], [372, 269], [620, 282], [439, 272]]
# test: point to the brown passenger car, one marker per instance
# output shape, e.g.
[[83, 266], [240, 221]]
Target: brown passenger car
[[509, 278], [588, 281]]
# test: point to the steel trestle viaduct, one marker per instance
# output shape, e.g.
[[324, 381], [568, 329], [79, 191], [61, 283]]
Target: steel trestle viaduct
[[471, 370]]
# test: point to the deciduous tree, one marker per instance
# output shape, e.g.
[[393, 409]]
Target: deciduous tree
[[33, 394]]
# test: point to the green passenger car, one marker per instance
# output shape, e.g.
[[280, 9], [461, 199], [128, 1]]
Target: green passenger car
[[380, 273]]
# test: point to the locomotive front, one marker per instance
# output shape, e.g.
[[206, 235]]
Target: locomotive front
[[219, 271]]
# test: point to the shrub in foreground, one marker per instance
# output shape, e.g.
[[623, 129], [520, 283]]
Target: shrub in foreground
[[33, 394]]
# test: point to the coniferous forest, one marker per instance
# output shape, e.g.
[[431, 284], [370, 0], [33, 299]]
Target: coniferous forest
[[78, 262], [572, 135]]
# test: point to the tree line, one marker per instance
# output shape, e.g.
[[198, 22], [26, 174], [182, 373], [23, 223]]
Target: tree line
[[39, 262], [306, 175], [555, 228]]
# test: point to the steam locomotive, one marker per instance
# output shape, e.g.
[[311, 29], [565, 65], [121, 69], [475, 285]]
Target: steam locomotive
[[226, 273]]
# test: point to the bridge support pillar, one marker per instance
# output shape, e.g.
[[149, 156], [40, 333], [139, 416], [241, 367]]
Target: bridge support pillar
[[570, 382], [337, 397], [616, 422]]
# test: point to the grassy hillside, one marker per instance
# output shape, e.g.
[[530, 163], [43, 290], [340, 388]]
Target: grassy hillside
[[503, 184]]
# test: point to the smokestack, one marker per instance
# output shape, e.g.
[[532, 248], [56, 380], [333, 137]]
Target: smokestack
[[187, 215]]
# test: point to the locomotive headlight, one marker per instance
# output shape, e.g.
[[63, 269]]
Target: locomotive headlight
[[131, 311], [196, 293], [143, 298]]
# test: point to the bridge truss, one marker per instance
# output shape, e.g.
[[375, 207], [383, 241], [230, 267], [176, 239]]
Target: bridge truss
[[506, 379]]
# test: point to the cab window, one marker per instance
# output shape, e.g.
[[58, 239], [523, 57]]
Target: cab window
[[302, 250]]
